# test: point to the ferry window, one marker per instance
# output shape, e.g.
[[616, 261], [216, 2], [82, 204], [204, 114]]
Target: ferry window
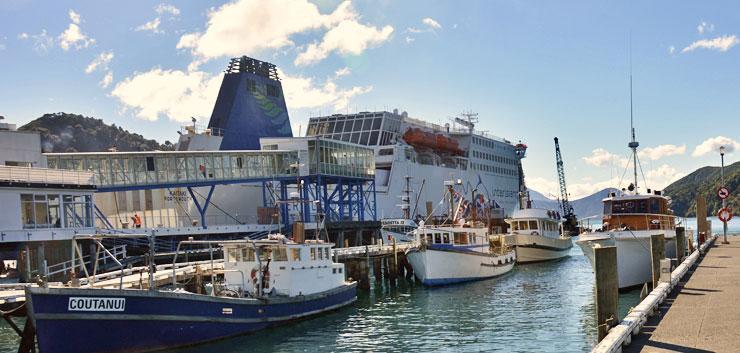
[[295, 254], [338, 126], [376, 123], [367, 125], [313, 253], [654, 206], [348, 126], [373, 138], [77, 211], [363, 139], [533, 225], [279, 253], [437, 238], [524, 225], [445, 238], [232, 255], [355, 137], [248, 254]]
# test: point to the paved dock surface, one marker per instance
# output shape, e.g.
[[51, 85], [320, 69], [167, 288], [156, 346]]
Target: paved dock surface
[[702, 314]]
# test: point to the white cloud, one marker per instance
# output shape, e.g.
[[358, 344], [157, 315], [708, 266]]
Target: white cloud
[[551, 188], [409, 39], [100, 62], [348, 37], [107, 80], [42, 42], [663, 176], [601, 157], [167, 8], [415, 30], [247, 26], [722, 44], [178, 95], [342, 72], [431, 23], [705, 27], [303, 92], [175, 94], [73, 36], [152, 26], [671, 49], [547, 187], [712, 144], [658, 152]]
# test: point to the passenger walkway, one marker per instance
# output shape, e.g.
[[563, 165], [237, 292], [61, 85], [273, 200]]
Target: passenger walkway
[[702, 314]]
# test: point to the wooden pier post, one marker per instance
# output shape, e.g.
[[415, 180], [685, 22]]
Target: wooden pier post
[[377, 268], [607, 289], [394, 262], [657, 253], [680, 244]]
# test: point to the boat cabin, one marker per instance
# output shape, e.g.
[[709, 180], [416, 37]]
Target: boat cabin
[[401, 226], [638, 212], [449, 236], [535, 221], [283, 267]]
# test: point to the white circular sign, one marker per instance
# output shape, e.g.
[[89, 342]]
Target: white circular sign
[[723, 193]]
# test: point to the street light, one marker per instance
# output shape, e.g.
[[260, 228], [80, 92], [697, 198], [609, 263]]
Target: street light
[[722, 178]]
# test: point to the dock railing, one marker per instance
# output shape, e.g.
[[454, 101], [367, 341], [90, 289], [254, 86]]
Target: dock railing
[[621, 335], [46, 176]]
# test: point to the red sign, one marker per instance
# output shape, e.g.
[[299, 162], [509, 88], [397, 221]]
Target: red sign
[[724, 215], [723, 193]]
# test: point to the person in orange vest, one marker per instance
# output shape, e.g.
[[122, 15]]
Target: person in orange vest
[[137, 220]]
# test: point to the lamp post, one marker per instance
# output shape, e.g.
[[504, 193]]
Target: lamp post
[[724, 202]]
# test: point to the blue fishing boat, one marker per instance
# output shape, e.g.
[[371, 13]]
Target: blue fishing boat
[[265, 283]]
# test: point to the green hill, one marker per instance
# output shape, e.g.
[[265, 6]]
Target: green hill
[[63, 132], [704, 181]]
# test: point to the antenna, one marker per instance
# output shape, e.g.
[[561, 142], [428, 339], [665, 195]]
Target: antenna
[[633, 144]]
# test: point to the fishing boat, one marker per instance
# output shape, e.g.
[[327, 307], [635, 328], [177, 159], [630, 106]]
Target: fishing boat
[[263, 284], [399, 229], [459, 251], [630, 219], [536, 235]]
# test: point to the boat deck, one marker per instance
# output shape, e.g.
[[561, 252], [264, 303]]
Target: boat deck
[[701, 312]]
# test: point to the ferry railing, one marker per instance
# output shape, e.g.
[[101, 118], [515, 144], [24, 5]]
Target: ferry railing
[[46, 176], [621, 335]]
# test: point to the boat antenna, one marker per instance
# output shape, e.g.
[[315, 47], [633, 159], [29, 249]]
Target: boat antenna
[[633, 144]]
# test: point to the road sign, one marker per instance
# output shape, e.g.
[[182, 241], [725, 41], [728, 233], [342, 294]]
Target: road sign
[[724, 214], [723, 193]]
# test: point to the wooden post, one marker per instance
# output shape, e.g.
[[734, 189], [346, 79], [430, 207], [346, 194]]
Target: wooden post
[[680, 244], [691, 245], [377, 268], [607, 289], [394, 264], [657, 253], [701, 215]]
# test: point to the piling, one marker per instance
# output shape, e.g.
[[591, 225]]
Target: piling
[[657, 253], [680, 244], [607, 289], [377, 268]]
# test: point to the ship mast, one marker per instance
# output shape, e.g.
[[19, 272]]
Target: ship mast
[[633, 144]]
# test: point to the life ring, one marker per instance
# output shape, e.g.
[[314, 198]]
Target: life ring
[[265, 277]]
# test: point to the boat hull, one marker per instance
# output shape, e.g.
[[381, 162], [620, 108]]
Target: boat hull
[[634, 265], [434, 267], [102, 320], [535, 248]]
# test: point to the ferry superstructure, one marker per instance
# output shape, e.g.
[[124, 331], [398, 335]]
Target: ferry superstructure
[[430, 154]]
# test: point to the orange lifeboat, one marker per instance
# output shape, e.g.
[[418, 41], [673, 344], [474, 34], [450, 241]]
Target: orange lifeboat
[[422, 139]]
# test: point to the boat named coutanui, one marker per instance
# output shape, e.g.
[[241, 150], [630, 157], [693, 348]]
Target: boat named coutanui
[[265, 283]]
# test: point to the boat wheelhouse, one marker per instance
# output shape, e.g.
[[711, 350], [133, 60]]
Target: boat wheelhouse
[[536, 235]]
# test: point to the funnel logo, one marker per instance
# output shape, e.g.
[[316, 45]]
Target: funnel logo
[[277, 115]]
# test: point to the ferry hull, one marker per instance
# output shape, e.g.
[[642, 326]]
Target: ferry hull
[[135, 320], [634, 264], [444, 266], [534, 248]]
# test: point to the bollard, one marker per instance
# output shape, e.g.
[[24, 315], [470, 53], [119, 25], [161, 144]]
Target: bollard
[[680, 244], [607, 289], [665, 270], [657, 253]]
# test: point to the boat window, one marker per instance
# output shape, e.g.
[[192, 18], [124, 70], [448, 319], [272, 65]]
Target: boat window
[[232, 255], [445, 238], [279, 253], [461, 238], [326, 254], [471, 238], [437, 238], [295, 254], [429, 238], [523, 225], [320, 252], [642, 206], [265, 253], [313, 253], [607, 207], [247, 254], [532, 225], [654, 206], [515, 225]]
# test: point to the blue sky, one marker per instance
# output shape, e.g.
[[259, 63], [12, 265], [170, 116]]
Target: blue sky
[[531, 69]]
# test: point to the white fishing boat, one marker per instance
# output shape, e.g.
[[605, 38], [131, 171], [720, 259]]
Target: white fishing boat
[[399, 229], [536, 235]]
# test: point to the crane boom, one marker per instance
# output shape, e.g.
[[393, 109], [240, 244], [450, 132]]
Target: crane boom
[[570, 222]]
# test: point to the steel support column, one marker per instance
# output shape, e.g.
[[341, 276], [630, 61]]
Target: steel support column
[[202, 209]]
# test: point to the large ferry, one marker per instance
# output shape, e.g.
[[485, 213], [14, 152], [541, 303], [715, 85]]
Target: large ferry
[[430, 154]]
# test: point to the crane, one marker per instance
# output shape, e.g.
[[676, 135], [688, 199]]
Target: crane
[[570, 223]]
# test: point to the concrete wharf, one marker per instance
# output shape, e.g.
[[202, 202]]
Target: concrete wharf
[[701, 314]]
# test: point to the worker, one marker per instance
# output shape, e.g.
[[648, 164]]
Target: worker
[[137, 220]]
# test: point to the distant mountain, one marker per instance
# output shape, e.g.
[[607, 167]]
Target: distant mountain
[[63, 132], [584, 207], [704, 181]]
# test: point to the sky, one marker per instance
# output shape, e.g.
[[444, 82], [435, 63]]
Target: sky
[[532, 70]]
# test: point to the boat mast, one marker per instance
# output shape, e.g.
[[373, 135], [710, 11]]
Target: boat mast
[[633, 144]]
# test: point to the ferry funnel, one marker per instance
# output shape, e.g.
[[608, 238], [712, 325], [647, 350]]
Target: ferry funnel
[[250, 105]]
